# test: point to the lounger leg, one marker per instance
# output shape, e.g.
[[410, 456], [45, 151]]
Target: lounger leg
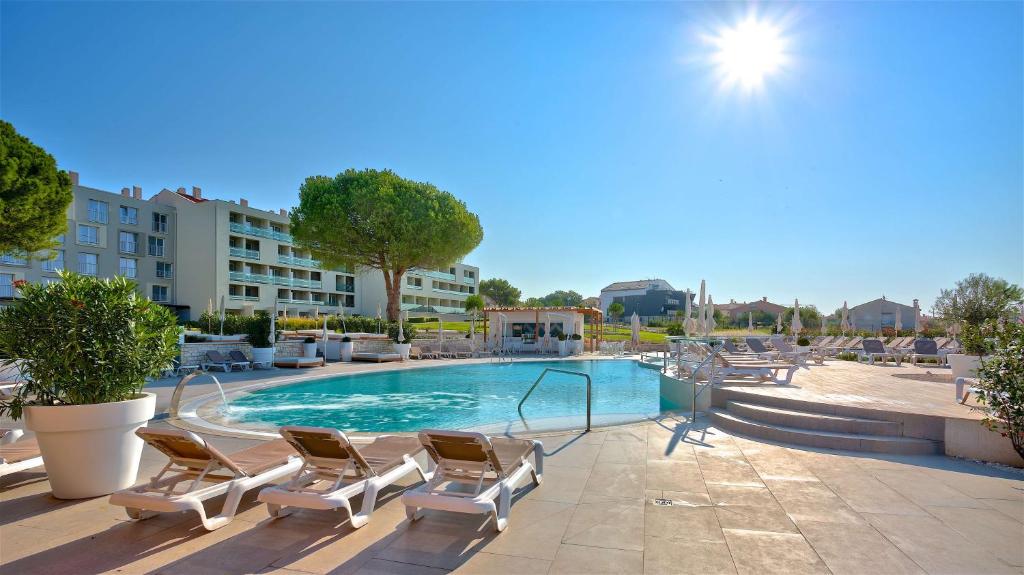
[[538, 463], [277, 511], [504, 505], [227, 513], [139, 514], [369, 502]]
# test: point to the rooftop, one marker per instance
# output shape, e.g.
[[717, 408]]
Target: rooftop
[[637, 284]]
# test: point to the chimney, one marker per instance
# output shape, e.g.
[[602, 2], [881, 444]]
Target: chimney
[[182, 191], [765, 299], [243, 202], [125, 192], [197, 192], [74, 178], [283, 212], [137, 192]]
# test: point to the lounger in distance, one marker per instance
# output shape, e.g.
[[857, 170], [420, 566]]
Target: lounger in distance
[[334, 471], [474, 473], [17, 455], [192, 463]]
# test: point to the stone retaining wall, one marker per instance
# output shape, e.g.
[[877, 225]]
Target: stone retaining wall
[[194, 353]]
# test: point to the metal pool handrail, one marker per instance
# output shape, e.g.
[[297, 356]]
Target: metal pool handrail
[[544, 373]]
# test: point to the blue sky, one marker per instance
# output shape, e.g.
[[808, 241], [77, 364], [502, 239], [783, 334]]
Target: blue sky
[[595, 141]]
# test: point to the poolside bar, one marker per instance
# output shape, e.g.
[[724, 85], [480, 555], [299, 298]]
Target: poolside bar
[[536, 329]]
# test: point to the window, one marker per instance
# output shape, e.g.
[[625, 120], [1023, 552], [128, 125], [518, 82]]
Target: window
[[468, 274], [156, 246], [129, 215], [164, 270], [97, 211], [89, 235], [159, 293], [414, 282], [128, 267], [160, 223], [6, 285], [87, 264], [127, 243], [60, 239], [55, 264]]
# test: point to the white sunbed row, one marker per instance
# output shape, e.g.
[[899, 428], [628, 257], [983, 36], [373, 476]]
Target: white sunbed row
[[327, 471]]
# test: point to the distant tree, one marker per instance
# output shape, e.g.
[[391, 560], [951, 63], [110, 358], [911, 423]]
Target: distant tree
[[721, 319], [615, 310], [34, 194], [563, 298], [809, 317], [978, 299], [761, 318], [474, 305], [499, 290], [533, 302], [378, 220]]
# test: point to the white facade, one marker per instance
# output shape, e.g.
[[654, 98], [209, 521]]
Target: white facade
[[424, 292]]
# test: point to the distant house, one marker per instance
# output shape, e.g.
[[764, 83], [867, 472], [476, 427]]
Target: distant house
[[735, 310], [880, 313], [630, 288]]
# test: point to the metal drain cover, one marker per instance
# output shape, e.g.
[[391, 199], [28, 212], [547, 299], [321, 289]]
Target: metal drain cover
[[663, 502]]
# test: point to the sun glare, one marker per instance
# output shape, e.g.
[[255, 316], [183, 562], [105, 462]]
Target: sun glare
[[749, 52]]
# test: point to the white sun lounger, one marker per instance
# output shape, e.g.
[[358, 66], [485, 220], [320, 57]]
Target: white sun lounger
[[200, 463], [17, 455], [473, 471], [766, 371], [334, 471]]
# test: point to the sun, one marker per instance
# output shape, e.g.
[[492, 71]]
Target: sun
[[749, 52]]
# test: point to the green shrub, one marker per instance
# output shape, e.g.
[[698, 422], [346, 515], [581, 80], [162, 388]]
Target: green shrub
[[422, 319], [803, 341], [561, 337], [576, 337], [309, 340], [258, 329], [847, 356], [1001, 385], [84, 340]]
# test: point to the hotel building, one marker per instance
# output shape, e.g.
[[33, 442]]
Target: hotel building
[[188, 252]]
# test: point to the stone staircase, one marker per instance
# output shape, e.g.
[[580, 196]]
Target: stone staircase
[[806, 423]]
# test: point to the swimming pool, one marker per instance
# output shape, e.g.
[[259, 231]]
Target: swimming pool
[[464, 396]]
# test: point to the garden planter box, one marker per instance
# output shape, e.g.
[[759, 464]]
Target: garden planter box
[[91, 450]]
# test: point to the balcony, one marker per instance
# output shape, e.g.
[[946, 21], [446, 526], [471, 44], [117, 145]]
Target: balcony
[[268, 233], [434, 274], [128, 247], [6, 291], [469, 281], [295, 282], [294, 261], [346, 288], [248, 277], [13, 260], [244, 297], [244, 253], [453, 292], [414, 286]]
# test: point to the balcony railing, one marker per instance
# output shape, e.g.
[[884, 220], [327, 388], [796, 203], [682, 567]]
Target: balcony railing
[[436, 308], [295, 261], [128, 247], [454, 292], [346, 288], [156, 250], [244, 297], [6, 291], [296, 282], [469, 281], [13, 260], [413, 286], [244, 253], [434, 274], [259, 232], [249, 277]]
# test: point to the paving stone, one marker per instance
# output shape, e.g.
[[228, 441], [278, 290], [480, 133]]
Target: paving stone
[[579, 560]]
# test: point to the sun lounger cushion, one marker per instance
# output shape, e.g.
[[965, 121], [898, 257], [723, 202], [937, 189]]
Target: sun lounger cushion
[[925, 347], [511, 452]]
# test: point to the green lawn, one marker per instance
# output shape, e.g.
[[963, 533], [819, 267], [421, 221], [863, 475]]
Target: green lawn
[[611, 333]]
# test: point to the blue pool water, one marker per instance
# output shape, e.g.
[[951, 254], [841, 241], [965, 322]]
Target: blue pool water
[[456, 397]]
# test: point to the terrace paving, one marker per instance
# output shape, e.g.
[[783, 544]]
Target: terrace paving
[[737, 506]]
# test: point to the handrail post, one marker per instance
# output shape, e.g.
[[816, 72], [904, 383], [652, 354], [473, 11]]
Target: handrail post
[[519, 408]]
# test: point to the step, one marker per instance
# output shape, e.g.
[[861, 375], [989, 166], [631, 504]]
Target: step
[[812, 421], [825, 439]]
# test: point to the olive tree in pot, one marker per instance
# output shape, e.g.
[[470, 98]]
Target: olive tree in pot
[[258, 334], [86, 347], [976, 305]]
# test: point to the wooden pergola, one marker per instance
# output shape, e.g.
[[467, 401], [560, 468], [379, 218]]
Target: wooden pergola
[[596, 319]]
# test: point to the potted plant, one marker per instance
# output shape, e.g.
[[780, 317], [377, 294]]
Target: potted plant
[[258, 334], [309, 347], [974, 346], [803, 344], [1001, 385], [86, 346], [346, 348], [577, 343], [976, 304], [562, 346]]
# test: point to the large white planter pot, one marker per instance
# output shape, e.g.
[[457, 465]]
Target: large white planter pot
[[402, 349], [346, 350], [309, 349], [332, 352], [263, 354], [963, 365], [91, 450], [563, 348]]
